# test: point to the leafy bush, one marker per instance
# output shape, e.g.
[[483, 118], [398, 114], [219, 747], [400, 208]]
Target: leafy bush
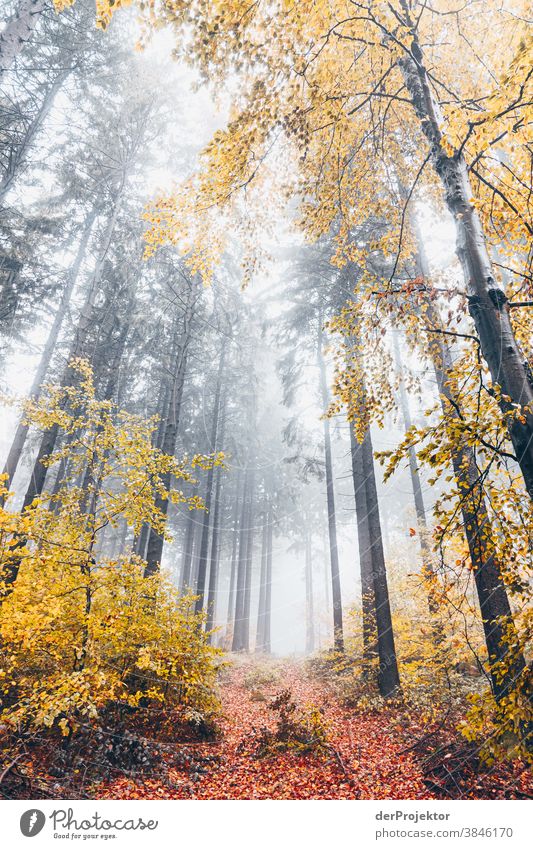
[[139, 645], [81, 633], [298, 730]]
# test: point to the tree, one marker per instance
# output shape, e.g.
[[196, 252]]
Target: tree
[[335, 112], [18, 30]]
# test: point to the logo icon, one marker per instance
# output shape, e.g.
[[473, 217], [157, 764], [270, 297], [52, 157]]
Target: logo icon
[[32, 822]]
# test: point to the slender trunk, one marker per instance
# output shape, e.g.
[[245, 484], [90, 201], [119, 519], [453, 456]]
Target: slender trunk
[[233, 565], [365, 554], [77, 349], [416, 485], [388, 675], [140, 540], [327, 584], [206, 518], [261, 610], [186, 583], [154, 550], [215, 538], [18, 30], [267, 648], [238, 633], [488, 304], [309, 601], [10, 269], [19, 440], [249, 567], [493, 600], [118, 543], [19, 153], [330, 493]]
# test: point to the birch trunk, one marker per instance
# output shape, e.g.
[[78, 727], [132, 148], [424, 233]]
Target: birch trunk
[[488, 304], [18, 30]]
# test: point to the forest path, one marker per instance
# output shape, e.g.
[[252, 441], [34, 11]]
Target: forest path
[[363, 757]]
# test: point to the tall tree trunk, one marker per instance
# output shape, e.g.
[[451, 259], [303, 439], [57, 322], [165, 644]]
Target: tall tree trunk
[[338, 635], [233, 564], [19, 153], [249, 566], [309, 601], [267, 648], [186, 583], [388, 676], [261, 610], [488, 304], [77, 349], [238, 643], [140, 540], [19, 440], [365, 554], [377, 619], [206, 518], [492, 594], [10, 269], [212, 591], [18, 30], [154, 549], [420, 509]]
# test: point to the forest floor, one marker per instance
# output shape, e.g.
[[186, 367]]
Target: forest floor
[[283, 734], [370, 755]]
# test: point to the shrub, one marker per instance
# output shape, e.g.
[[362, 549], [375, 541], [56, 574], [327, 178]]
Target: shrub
[[140, 644], [298, 730]]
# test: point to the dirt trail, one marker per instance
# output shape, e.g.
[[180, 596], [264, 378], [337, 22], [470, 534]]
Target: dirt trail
[[363, 760]]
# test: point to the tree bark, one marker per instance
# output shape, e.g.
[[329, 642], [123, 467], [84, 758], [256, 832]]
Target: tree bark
[[77, 349], [368, 603], [488, 304], [10, 269], [212, 591], [18, 30], [268, 586], [19, 440], [420, 509], [309, 600], [140, 541], [154, 549], [388, 675], [492, 594], [238, 642], [186, 583], [206, 517], [261, 611], [19, 152], [249, 566], [338, 636], [233, 565]]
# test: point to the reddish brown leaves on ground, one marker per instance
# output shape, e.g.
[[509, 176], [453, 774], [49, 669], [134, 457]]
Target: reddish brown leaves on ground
[[368, 756]]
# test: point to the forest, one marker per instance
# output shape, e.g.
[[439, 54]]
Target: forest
[[266, 377]]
